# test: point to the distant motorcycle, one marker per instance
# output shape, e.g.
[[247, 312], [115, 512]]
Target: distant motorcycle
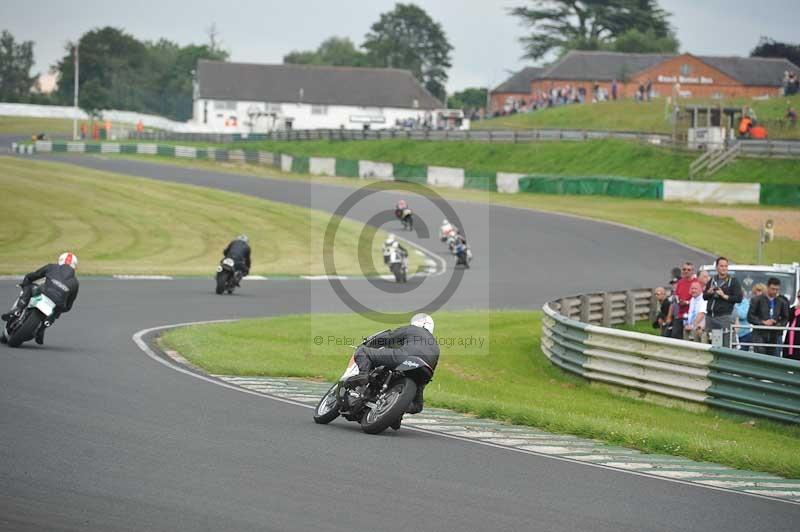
[[407, 219], [23, 327], [463, 254], [227, 276], [380, 403], [398, 264]]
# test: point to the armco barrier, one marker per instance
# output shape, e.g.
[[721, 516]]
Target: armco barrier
[[743, 382], [505, 182]]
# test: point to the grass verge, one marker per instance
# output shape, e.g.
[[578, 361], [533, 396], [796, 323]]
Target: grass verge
[[718, 235], [124, 225], [518, 384]]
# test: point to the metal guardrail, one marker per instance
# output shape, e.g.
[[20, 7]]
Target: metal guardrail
[[743, 382], [770, 148], [506, 136]]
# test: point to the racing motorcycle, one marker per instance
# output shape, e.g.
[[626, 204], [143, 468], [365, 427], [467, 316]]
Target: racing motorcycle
[[407, 219], [398, 264], [227, 276], [23, 326], [381, 402], [463, 254]]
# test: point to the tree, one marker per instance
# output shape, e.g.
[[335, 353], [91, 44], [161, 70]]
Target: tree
[[471, 98], [635, 41], [407, 37], [767, 47], [334, 51], [562, 25], [117, 71], [16, 60]]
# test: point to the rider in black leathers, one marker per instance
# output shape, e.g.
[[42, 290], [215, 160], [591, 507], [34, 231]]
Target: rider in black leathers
[[394, 346], [60, 285], [239, 251]]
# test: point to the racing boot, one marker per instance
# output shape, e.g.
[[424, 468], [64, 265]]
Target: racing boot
[[415, 407], [396, 424], [40, 334], [13, 313]]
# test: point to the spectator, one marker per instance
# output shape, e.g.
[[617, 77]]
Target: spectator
[[757, 131], [703, 277], [649, 90], [791, 117], [683, 294], [614, 89], [640, 92], [768, 310], [792, 347], [722, 292], [744, 331], [695, 323], [749, 112], [744, 126], [663, 304]]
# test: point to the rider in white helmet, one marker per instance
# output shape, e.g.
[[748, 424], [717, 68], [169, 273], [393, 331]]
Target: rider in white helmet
[[239, 251], [60, 285], [394, 346], [388, 244], [446, 230]]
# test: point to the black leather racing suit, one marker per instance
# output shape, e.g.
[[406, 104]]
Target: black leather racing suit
[[239, 251], [392, 347], [60, 285]]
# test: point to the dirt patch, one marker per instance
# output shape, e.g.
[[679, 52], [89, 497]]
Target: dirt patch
[[787, 222]]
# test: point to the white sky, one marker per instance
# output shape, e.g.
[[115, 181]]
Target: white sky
[[484, 36]]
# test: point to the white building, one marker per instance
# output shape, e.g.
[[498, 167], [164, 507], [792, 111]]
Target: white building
[[253, 98]]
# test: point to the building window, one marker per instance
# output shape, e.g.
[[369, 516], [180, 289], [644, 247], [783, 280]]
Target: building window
[[685, 69], [224, 105], [319, 109]]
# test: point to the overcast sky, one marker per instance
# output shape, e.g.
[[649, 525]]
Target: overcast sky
[[484, 36]]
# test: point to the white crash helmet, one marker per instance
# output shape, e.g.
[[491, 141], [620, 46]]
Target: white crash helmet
[[445, 222], [391, 238], [395, 244], [69, 259], [243, 238], [423, 320]]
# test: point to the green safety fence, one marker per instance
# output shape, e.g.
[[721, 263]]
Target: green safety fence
[[779, 195], [300, 165], [593, 186], [251, 156], [480, 180], [200, 153], [220, 155], [127, 148], [92, 148], [346, 167], [413, 173], [162, 149], [59, 146]]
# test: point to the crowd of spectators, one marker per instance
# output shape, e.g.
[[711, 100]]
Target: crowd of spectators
[[565, 95], [700, 304]]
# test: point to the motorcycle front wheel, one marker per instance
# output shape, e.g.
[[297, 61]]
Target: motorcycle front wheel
[[222, 281], [389, 406], [327, 409]]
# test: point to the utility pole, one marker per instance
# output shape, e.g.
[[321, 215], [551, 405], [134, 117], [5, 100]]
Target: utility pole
[[75, 101]]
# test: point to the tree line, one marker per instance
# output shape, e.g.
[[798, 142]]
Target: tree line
[[119, 71]]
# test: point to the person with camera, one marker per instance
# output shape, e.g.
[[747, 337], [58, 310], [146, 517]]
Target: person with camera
[[722, 292]]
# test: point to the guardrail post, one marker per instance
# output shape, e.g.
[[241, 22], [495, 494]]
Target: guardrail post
[[584, 310], [606, 319], [630, 308], [654, 310]]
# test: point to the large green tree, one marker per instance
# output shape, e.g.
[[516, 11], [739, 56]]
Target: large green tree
[[407, 37], [117, 71], [557, 26], [16, 60], [334, 51]]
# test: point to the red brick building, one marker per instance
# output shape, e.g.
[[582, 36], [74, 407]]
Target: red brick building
[[689, 75], [516, 88]]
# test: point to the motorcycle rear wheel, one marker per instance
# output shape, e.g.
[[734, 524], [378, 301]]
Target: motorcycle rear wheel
[[390, 407], [27, 330], [327, 409]]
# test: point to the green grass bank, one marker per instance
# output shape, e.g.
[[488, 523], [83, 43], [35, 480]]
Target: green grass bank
[[512, 380]]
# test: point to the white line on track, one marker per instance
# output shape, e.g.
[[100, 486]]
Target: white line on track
[[138, 339]]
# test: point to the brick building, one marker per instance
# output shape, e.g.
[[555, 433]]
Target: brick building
[[689, 75], [515, 88]]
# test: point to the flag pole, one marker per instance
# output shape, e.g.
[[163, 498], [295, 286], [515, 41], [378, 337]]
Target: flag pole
[[75, 101]]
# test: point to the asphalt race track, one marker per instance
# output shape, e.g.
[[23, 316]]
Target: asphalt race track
[[94, 435]]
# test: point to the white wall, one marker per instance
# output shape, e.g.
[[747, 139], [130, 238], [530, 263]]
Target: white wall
[[302, 115]]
